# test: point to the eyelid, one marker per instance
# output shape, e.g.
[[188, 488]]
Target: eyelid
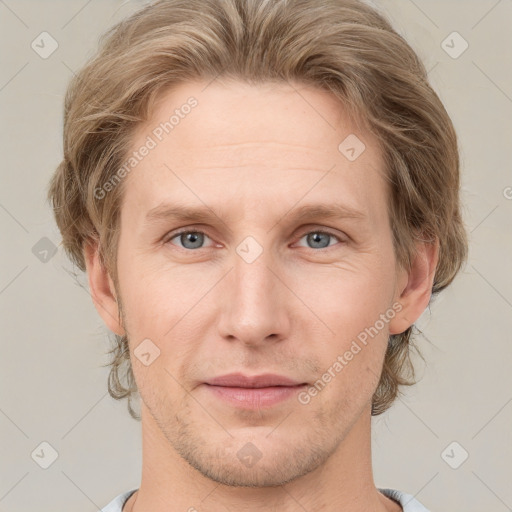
[[322, 229]]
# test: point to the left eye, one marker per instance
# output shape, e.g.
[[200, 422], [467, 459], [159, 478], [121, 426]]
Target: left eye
[[319, 239], [195, 239]]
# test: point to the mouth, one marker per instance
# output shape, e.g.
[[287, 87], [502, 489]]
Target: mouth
[[253, 392]]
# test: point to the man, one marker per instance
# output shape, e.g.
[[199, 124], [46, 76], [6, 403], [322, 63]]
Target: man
[[264, 196]]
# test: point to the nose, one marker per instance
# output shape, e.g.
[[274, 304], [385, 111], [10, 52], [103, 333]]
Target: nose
[[254, 301]]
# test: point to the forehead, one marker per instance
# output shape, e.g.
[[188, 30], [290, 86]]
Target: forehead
[[231, 112], [259, 141]]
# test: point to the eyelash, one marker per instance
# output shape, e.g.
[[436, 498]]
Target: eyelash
[[173, 235]]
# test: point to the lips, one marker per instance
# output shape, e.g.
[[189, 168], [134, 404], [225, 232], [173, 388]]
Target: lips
[[253, 392], [240, 380]]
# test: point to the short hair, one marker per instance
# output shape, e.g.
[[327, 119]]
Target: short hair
[[344, 47]]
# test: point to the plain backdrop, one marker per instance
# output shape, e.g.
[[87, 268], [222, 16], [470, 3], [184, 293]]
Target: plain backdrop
[[447, 440]]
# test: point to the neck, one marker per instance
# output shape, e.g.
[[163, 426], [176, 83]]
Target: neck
[[343, 482]]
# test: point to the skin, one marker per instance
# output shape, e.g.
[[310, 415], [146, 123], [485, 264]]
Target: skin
[[254, 154]]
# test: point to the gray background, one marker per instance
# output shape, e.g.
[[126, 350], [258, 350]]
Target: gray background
[[53, 386]]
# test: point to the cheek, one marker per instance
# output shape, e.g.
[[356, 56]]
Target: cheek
[[351, 356], [344, 297], [168, 308], [155, 299], [347, 297], [355, 303]]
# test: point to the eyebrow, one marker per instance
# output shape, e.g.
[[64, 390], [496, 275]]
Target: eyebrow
[[169, 211]]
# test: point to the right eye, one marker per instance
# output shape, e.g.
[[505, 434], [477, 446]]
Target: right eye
[[188, 239]]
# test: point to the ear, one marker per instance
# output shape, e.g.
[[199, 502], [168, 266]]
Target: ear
[[102, 288], [414, 287]]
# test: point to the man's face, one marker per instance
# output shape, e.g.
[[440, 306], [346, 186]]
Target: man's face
[[257, 290]]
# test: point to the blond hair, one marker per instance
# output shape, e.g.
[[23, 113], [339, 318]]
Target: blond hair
[[344, 47]]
